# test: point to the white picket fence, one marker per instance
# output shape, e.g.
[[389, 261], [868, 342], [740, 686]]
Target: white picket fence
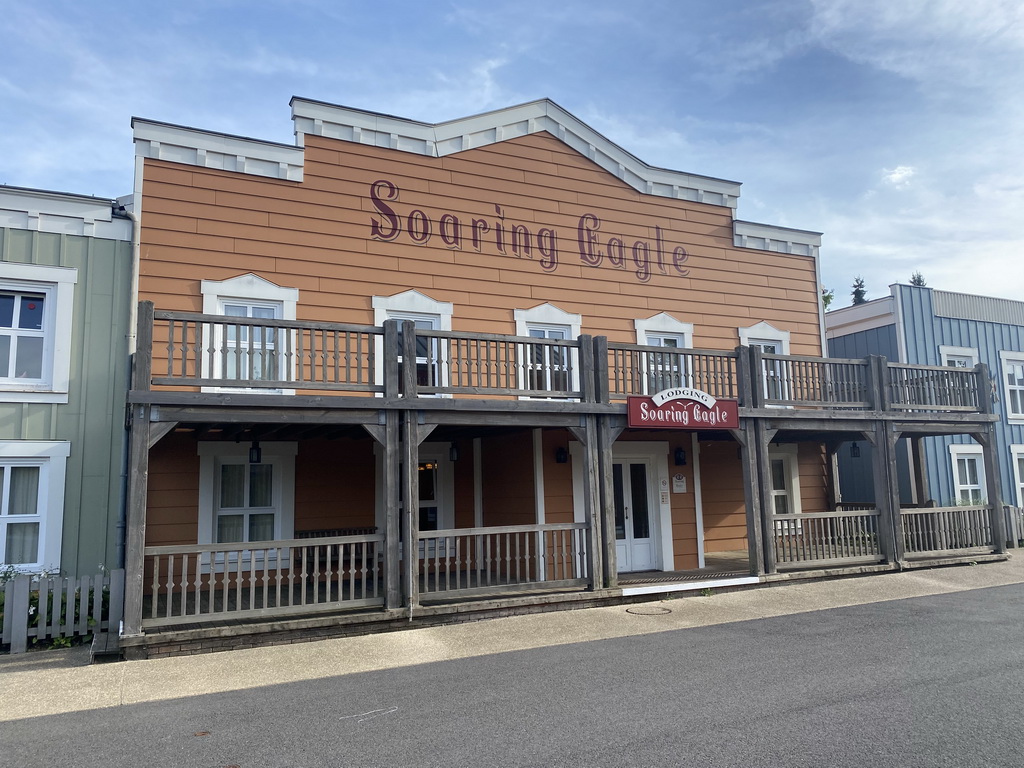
[[43, 609]]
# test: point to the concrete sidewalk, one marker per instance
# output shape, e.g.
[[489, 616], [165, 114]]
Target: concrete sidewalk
[[54, 682]]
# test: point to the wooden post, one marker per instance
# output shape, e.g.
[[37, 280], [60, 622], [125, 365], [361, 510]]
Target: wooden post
[[888, 517], [589, 439], [607, 434], [585, 347], [391, 352], [410, 500], [17, 593], [763, 439], [409, 384], [920, 470], [985, 389], [602, 384], [757, 384], [882, 399], [138, 474], [392, 508], [746, 438], [997, 518]]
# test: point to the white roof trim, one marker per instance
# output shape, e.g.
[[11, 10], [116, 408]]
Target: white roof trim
[[207, 149], [876, 313], [65, 214], [767, 237], [441, 139]]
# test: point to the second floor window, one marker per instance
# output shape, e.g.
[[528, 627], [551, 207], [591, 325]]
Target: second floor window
[[23, 335]]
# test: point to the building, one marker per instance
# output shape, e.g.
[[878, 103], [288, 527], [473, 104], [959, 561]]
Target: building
[[921, 326], [65, 288], [588, 372]]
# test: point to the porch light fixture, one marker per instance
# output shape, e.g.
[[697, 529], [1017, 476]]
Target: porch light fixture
[[854, 451], [255, 453], [453, 452], [680, 457], [561, 455]]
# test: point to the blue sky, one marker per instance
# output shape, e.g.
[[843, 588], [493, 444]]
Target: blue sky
[[895, 128]]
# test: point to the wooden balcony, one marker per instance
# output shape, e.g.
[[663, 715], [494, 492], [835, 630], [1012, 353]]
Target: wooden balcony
[[228, 358]]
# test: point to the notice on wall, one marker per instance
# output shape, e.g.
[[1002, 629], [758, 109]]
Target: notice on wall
[[678, 483]]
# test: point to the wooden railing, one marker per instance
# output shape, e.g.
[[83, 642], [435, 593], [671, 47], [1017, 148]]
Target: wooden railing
[[491, 364], [1014, 526], [188, 584], [219, 351], [502, 558], [824, 538], [813, 381], [642, 370], [934, 388], [940, 529]]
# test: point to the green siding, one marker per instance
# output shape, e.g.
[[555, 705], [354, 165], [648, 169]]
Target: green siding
[[93, 418]]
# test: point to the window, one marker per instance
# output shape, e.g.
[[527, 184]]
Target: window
[[958, 357], [245, 352], [426, 314], [968, 474], [664, 370], [784, 469], [240, 501], [1013, 383], [32, 503], [548, 367], [1017, 457], [36, 310], [771, 341]]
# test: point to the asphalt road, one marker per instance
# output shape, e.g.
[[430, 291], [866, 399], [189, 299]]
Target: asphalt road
[[927, 681]]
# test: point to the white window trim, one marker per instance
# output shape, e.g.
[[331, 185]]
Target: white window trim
[[59, 285], [765, 332], [946, 352], [958, 450], [247, 288], [666, 325], [279, 454], [547, 316], [790, 455], [1016, 453], [409, 305], [1009, 357], [51, 457]]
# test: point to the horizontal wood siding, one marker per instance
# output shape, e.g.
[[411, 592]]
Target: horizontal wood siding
[[508, 492], [722, 495], [315, 236]]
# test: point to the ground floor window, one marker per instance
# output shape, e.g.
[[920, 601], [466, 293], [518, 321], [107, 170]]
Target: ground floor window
[[968, 474], [784, 471], [243, 501], [32, 503]]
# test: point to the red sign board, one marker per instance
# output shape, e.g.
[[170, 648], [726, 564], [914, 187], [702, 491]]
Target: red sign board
[[683, 413]]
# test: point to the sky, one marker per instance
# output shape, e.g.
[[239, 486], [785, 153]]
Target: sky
[[894, 127]]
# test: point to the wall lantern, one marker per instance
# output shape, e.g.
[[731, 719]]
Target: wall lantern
[[680, 457], [854, 450], [255, 453], [561, 455], [453, 452]]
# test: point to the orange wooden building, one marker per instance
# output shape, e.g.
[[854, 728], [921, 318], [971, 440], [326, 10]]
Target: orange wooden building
[[548, 284]]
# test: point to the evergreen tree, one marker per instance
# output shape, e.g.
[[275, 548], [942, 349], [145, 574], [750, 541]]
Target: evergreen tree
[[858, 292], [917, 279]]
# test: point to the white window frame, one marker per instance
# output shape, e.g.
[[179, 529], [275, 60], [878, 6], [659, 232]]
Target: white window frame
[[653, 332], [411, 305], [251, 290], [57, 284], [545, 317], [51, 458], [281, 455], [1006, 359], [1016, 455], [948, 354], [789, 454], [959, 451], [766, 333]]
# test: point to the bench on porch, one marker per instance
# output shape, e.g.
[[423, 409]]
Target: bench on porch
[[327, 555]]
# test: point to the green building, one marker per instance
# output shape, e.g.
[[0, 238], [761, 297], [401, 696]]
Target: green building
[[65, 287]]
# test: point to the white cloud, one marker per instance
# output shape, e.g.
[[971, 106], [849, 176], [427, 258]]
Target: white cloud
[[899, 176]]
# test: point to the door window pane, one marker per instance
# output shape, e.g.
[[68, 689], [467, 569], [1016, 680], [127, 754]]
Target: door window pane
[[638, 489], [230, 528], [620, 503], [261, 527]]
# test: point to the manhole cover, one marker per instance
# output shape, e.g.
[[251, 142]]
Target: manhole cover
[[648, 610]]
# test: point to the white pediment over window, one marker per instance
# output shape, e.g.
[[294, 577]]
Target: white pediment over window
[[663, 323], [765, 332], [414, 303], [547, 314], [248, 286]]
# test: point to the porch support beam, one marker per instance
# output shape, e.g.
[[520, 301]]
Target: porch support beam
[[920, 470], [387, 435], [886, 493], [410, 484], [158, 431], [590, 441], [746, 437], [607, 434], [763, 435]]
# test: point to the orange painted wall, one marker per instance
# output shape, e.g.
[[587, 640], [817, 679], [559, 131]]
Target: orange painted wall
[[508, 490], [315, 236], [722, 494]]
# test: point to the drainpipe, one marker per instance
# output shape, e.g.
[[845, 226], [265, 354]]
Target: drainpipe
[[133, 315]]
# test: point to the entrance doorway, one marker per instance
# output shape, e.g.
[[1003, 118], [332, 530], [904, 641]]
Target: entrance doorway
[[634, 540]]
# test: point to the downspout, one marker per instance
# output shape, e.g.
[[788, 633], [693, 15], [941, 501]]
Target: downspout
[[133, 316]]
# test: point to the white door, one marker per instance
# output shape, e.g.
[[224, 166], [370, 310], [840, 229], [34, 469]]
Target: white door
[[634, 518]]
